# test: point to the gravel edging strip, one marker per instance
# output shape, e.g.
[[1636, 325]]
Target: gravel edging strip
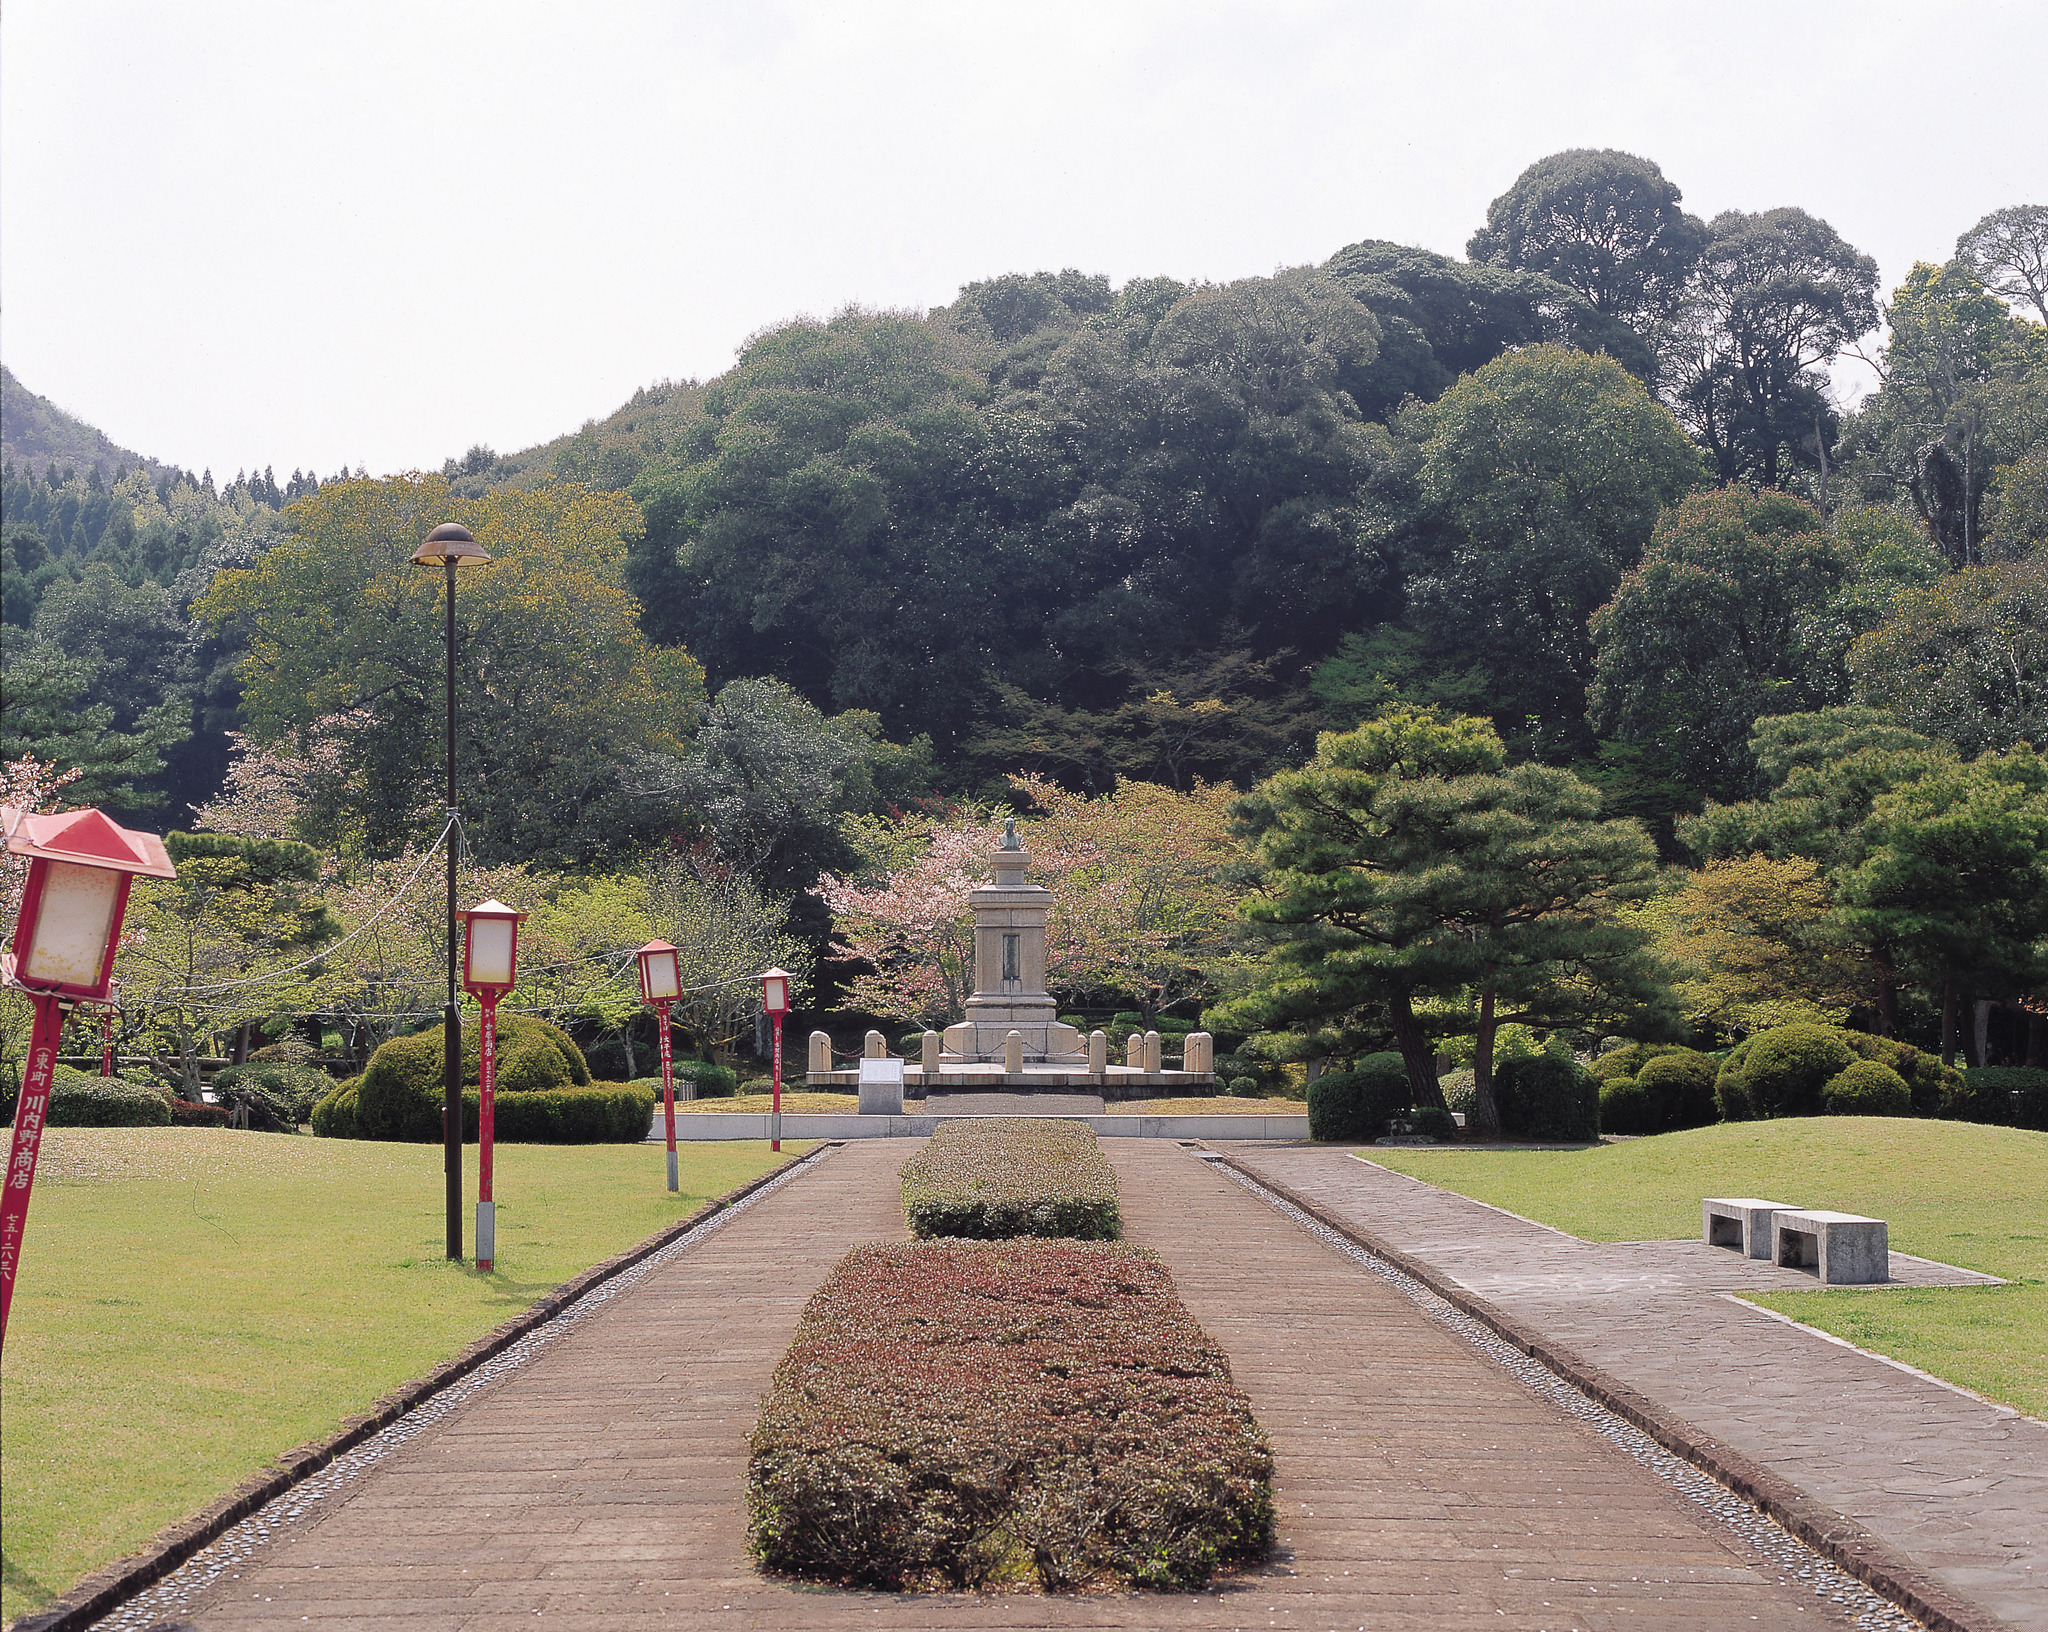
[[1833, 1535], [113, 1584]]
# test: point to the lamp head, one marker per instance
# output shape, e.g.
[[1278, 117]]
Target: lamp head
[[661, 973], [490, 947], [775, 991], [80, 867], [451, 545]]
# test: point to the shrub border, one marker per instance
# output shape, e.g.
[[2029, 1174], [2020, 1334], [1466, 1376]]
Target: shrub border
[[1834, 1535], [111, 1585]]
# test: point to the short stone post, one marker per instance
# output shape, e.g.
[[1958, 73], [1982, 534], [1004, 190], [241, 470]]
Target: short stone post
[[1098, 1053], [1134, 1051], [877, 1046], [928, 1057], [1152, 1053], [1013, 1054], [821, 1051], [1195, 1055]]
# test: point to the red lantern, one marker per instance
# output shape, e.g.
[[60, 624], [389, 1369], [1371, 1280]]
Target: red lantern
[[661, 983], [490, 969], [81, 866], [775, 1000]]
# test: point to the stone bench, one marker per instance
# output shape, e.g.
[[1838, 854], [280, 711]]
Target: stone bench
[[1843, 1249], [1740, 1222]]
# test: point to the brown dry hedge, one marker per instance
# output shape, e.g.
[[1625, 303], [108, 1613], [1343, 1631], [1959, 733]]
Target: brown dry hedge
[[993, 1178], [964, 1414]]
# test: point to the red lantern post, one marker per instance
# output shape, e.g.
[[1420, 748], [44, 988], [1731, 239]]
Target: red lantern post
[[661, 983], [775, 999], [81, 865], [490, 969]]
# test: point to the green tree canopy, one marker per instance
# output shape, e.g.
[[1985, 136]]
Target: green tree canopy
[[557, 686], [1714, 629], [1547, 469], [1604, 223]]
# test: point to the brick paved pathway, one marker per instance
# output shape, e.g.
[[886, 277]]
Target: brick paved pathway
[[1957, 1485], [600, 1484]]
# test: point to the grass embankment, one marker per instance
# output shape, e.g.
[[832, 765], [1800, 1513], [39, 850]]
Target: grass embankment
[[822, 1102], [193, 1302], [1961, 1193]]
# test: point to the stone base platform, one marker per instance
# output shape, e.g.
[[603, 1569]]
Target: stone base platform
[[1223, 1125], [956, 1104], [1119, 1082]]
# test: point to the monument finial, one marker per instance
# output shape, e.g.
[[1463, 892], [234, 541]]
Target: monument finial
[[1010, 839]]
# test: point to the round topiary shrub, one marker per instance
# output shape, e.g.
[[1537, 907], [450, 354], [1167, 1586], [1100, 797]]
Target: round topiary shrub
[[1679, 1087], [1357, 1104], [1547, 1096], [334, 1117], [1786, 1069], [1624, 1107], [1628, 1060], [1926, 1078], [1245, 1087], [1868, 1089], [1458, 1087], [400, 1092]]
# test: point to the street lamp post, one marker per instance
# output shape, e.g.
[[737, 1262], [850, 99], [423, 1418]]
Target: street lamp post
[[661, 982], [81, 866], [490, 969], [449, 546], [775, 999]]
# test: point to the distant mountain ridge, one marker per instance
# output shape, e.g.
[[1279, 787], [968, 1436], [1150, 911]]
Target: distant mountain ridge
[[35, 432]]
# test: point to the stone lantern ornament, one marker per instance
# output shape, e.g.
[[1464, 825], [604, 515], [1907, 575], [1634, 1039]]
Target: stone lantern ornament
[[81, 865]]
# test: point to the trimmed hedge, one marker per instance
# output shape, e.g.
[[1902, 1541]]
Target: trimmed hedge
[[1786, 1071], [399, 1094], [602, 1114], [1629, 1059], [1625, 1107], [2012, 1096], [81, 1100], [192, 1113], [958, 1414], [334, 1117], [1358, 1104], [1547, 1096], [1866, 1088], [1679, 1086], [989, 1179], [712, 1081]]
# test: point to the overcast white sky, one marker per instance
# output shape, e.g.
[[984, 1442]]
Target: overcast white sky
[[375, 233]]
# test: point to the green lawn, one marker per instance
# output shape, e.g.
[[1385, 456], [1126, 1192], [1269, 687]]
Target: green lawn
[[1963, 1194], [192, 1302]]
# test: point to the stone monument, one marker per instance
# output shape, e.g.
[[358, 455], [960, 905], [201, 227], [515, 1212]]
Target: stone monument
[[1009, 972]]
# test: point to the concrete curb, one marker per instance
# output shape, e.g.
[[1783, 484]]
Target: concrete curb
[[1864, 1555], [107, 1588]]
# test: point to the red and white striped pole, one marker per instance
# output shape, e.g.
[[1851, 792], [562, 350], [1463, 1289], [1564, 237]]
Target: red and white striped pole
[[775, 1113], [486, 1129], [30, 1114], [668, 1091]]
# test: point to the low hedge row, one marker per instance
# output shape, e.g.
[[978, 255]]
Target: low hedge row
[[603, 1114], [990, 1179], [1669, 1088], [81, 1100], [958, 1414], [711, 1081], [2013, 1096], [399, 1093]]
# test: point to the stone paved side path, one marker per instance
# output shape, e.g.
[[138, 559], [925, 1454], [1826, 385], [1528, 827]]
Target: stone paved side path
[[601, 1484], [1957, 1485]]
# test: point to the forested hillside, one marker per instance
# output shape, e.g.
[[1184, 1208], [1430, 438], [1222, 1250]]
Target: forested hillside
[[1589, 484]]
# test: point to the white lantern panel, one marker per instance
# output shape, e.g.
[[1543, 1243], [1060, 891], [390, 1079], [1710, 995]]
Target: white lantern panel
[[775, 994], [490, 951], [72, 925], [664, 979]]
